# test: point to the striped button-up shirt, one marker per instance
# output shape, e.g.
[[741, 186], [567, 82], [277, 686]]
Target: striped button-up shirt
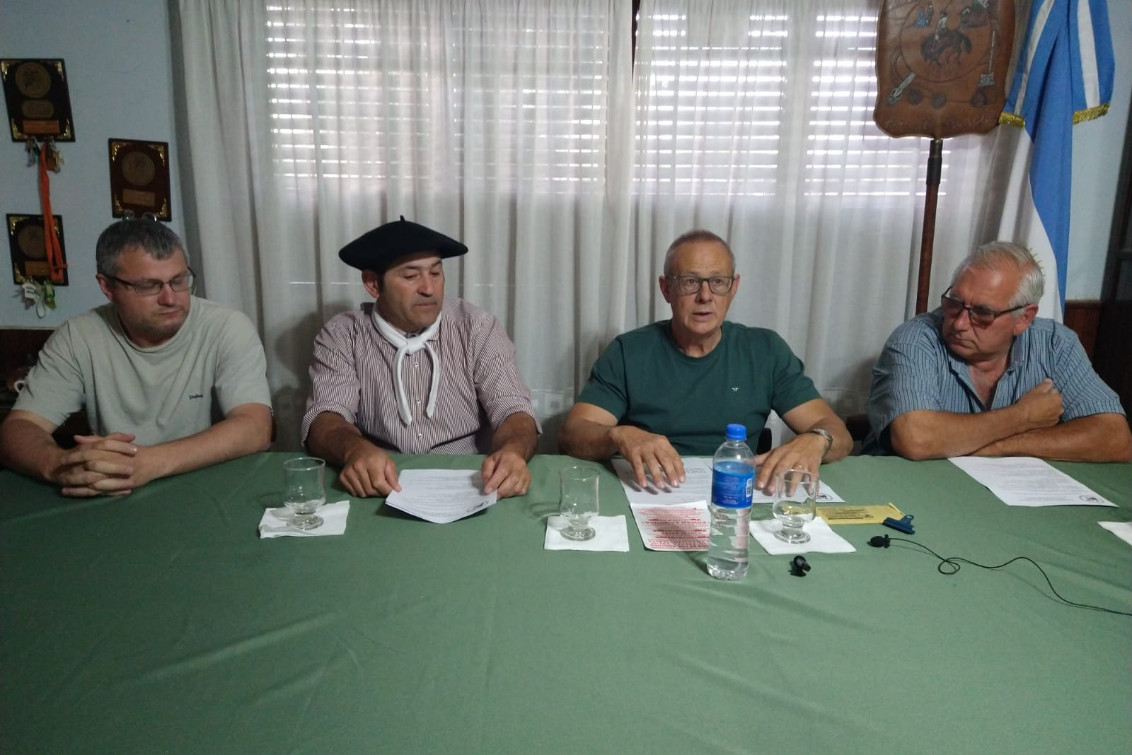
[[352, 375], [917, 371]]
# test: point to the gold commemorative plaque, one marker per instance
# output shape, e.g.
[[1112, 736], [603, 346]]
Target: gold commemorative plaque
[[139, 178], [39, 104], [29, 252]]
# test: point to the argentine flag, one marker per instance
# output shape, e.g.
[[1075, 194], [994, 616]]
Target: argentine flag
[[1063, 76]]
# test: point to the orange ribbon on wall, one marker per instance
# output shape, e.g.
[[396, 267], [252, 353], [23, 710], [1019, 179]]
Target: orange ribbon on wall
[[50, 238]]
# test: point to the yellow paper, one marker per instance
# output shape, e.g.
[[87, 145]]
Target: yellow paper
[[859, 514]]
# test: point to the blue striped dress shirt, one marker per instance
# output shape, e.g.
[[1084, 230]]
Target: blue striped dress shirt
[[916, 371]]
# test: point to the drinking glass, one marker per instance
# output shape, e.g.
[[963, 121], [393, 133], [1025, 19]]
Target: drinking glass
[[795, 491], [303, 490], [578, 501]]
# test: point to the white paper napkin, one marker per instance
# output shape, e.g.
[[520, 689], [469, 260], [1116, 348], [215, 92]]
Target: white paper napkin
[[275, 522], [612, 535], [822, 538], [1122, 530]]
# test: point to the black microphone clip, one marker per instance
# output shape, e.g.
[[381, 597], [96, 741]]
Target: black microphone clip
[[879, 541], [799, 567]]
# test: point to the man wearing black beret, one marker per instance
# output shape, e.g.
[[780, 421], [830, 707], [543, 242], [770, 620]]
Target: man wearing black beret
[[415, 372]]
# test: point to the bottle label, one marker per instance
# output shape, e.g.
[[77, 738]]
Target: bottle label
[[732, 484]]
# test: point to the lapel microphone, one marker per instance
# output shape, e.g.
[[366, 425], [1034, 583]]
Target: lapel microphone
[[799, 567]]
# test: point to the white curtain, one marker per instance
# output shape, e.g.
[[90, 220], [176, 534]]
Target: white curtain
[[503, 124], [755, 121], [523, 128]]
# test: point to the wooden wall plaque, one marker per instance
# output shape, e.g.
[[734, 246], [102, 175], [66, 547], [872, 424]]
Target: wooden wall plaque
[[39, 104], [29, 253], [139, 178]]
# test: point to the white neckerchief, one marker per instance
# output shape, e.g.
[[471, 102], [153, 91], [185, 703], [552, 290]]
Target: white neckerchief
[[410, 345]]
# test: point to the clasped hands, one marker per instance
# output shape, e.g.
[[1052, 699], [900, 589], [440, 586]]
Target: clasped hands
[[102, 465]]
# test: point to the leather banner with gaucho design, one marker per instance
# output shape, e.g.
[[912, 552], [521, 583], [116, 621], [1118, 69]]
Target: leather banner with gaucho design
[[941, 66]]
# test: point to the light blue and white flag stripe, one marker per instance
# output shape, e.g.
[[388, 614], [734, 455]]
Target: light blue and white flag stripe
[[1064, 75]]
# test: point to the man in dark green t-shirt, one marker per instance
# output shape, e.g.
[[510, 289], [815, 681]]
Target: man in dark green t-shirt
[[670, 388]]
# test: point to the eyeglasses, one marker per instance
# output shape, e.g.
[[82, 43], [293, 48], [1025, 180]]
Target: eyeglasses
[[152, 287], [687, 285], [980, 316]]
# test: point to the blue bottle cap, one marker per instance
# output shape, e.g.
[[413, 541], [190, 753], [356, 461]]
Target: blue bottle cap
[[736, 432]]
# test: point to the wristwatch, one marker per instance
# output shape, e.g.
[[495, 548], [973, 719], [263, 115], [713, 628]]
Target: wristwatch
[[828, 439]]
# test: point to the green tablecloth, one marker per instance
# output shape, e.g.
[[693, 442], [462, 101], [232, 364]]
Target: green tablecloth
[[162, 623]]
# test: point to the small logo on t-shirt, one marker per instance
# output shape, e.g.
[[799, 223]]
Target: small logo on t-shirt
[[195, 395], [735, 389]]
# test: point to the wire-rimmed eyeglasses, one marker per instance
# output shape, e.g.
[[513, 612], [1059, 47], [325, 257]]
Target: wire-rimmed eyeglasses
[[152, 287], [687, 285], [980, 316]]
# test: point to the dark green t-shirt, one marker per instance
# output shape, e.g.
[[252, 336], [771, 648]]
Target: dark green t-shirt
[[644, 380]]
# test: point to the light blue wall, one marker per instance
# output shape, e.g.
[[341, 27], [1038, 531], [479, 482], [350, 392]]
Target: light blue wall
[[120, 77], [118, 59]]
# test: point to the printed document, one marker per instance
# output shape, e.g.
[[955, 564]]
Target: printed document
[[1024, 481], [441, 495], [673, 527], [675, 518], [1122, 530], [859, 514]]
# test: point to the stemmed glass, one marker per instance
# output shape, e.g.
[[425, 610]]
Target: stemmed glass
[[795, 491], [304, 491], [578, 502]]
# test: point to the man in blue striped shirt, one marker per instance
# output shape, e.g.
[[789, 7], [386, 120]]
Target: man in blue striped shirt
[[983, 375]]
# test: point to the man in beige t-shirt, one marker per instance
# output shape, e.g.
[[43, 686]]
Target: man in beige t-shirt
[[153, 368]]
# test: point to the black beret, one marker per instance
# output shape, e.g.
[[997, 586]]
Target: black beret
[[379, 249]]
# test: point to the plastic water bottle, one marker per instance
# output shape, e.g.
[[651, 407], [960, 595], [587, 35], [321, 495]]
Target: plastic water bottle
[[732, 485]]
